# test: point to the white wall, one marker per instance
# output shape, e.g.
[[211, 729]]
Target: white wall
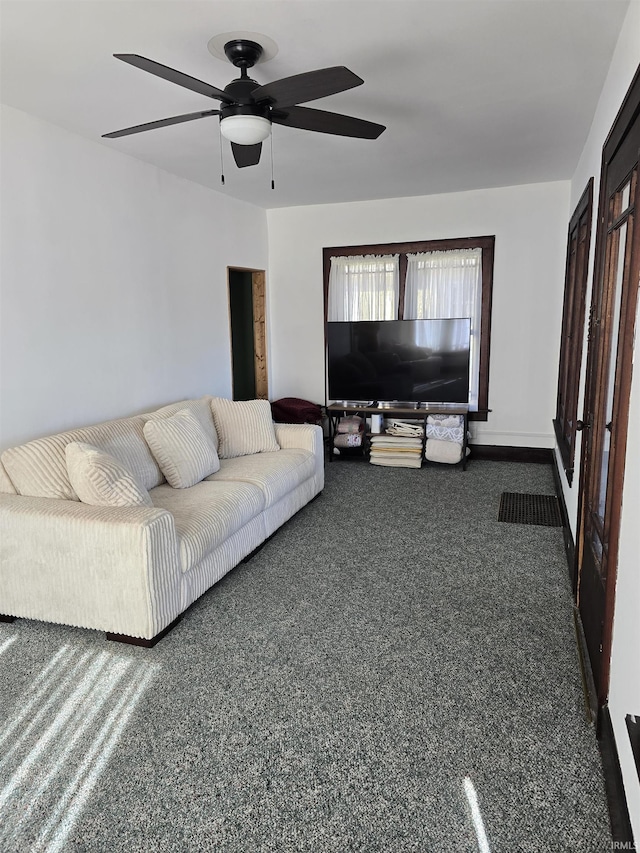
[[624, 697], [529, 223], [113, 290]]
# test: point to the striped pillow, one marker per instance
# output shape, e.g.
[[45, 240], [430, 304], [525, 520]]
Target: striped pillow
[[39, 467], [100, 479], [243, 427], [185, 453]]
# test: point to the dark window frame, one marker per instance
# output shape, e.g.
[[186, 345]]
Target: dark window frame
[[487, 244], [565, 422]]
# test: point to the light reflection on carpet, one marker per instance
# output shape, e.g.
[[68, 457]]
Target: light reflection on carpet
[[476, 816], [6, 644], [58, 740]]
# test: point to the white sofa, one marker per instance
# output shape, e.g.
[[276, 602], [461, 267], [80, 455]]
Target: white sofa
[[131, 571]]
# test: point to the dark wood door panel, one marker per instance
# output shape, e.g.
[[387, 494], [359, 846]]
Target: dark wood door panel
[[592, 609]]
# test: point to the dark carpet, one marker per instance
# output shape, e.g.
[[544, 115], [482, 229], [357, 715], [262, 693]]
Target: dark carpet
[[395, 670]]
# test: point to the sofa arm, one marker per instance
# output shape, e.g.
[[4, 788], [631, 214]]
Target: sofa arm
[[110, 568], [302, 437], [299, 436]]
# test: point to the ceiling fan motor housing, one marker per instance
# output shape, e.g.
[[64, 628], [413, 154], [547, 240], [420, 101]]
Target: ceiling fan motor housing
[[257, 124], [239, 90], [260, 110]]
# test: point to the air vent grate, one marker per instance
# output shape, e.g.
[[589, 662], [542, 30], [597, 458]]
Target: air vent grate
[[516, 508]]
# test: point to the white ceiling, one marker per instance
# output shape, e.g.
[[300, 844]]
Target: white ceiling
[[474, 93]]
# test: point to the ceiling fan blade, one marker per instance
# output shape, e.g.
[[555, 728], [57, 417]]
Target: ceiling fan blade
[[246, 155], [308, 86], [321, 121], [164, 122], [174, 76]]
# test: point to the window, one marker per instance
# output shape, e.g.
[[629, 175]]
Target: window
[[429, 279], [363, 288], [571, 341], [447, 284]]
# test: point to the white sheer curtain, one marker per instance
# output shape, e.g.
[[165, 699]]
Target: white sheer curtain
[[441, 285], [363, 287]]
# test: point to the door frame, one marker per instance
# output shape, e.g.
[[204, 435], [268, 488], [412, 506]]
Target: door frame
[[259, 301], [629, 113]]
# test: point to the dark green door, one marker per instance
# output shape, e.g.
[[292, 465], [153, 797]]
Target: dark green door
[[242, 340]]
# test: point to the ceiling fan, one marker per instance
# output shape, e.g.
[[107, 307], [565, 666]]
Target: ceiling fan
[[248, 109]]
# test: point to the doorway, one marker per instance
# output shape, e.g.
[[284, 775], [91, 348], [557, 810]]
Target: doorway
[[608, 385], [247, 320]]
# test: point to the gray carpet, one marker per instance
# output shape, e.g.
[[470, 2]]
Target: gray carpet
[[391, 653]]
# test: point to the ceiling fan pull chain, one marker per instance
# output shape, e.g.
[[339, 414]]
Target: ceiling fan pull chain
[[221, 161], [273, 183]]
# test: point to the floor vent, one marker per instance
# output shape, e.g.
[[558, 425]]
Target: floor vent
[[516, 508]]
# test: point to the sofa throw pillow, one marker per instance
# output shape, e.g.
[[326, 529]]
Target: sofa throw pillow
[[243, 427], [182, 448], [100, 479]]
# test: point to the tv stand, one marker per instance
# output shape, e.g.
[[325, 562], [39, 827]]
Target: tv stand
[[404, 411], [399, 404]]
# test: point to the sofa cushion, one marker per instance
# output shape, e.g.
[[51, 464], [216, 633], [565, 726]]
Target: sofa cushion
[[244, 427], [39, 468], [100, 480], [207, 514], [201, 408], [275, 474], [183, 450]]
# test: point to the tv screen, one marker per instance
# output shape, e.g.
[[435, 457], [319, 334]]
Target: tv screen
[[416, 361]]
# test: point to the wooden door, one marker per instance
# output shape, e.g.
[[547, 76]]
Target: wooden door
[[247, 325], [609, 365], [243, 372]]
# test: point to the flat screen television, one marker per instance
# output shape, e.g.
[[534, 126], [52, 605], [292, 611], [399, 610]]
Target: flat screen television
[[413, 361]]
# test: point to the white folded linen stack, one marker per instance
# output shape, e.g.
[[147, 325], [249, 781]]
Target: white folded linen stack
[[445, 438], [399, 447]]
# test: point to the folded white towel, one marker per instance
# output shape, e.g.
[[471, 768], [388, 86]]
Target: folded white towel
[[437, 450], [408, 462], [395, 441]]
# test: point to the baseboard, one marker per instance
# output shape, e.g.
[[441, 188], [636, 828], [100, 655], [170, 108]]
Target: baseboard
[[504, 453], [633, 728], [588, 683], [621, 831], [632, 722], [569, 544]]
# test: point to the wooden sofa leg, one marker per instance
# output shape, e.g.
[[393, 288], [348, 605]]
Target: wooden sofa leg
[[141, 641], [4, 618]]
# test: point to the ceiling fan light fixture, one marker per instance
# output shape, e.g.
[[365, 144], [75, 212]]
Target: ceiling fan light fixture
[[245, 129]]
